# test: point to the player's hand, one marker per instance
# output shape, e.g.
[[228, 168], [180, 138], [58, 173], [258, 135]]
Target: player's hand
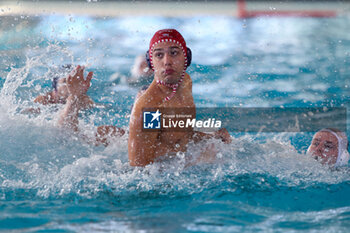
[[224, 135], [106, 132], [77, 84]]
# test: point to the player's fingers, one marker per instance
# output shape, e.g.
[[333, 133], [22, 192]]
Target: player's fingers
[[89, 76]]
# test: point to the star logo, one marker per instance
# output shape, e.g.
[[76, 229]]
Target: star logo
[[151, 120], [156, 115]]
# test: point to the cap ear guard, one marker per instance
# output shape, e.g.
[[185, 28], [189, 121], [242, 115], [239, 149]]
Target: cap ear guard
[[189, 58], [343, 159], [343, 154]]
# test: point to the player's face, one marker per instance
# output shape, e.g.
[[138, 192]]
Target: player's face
[[168, 62], [324, 147]]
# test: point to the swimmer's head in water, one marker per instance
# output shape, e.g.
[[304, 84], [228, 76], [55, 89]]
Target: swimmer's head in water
[[64, 70], [60, 90], [140, 68], [168, 35], [330, 147], [54, 83]]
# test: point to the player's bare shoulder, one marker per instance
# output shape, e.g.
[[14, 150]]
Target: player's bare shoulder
[[186, 91], [187, 83]]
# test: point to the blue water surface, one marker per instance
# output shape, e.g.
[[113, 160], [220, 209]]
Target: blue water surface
[[52, 181]]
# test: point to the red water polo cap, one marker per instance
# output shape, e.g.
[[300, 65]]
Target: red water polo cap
[[167, 35]]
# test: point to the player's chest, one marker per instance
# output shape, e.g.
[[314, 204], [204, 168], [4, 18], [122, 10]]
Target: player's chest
[[179, 101]]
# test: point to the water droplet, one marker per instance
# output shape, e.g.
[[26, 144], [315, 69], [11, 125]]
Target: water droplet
[[37, 87], [180, 155], [310, 113]]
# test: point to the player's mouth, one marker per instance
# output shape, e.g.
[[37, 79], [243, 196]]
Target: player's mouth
[[169, 71]]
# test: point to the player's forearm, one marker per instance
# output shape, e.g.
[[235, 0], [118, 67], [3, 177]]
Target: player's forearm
[[221, 134], [141, 145], [199, 136], [69, 115], [44, 99], [141, 153]]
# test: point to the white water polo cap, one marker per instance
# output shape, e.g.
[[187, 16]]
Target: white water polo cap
[[343, 154]]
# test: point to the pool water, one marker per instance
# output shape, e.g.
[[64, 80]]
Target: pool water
[[51, 181]]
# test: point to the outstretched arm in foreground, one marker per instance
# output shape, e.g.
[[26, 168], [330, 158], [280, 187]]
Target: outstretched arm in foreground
[[106, 132], [222, 134], [209, 153]]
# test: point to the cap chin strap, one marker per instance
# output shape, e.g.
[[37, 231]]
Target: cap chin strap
[[172, 86], [343, 154]]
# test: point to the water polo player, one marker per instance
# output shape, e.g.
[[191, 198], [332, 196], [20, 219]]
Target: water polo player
[[169, 57], [330, 147]]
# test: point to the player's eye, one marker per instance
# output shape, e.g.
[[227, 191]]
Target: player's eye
[[159, 54], [174, 52]]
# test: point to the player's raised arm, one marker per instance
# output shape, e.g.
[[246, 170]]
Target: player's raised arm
[[77, 86]]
